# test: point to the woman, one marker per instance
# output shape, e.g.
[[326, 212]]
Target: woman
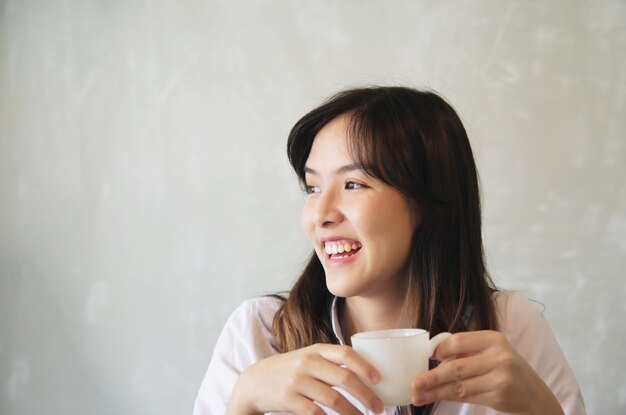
[[393, 214]]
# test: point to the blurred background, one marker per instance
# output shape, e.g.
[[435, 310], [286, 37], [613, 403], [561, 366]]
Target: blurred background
[[145, 190]]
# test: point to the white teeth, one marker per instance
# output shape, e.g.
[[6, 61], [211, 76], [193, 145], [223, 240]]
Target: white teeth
[[332, 248]]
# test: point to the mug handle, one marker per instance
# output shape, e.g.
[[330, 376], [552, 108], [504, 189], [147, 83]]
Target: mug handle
[[436, 341]]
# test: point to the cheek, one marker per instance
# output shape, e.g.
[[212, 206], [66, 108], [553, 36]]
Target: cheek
[[306, 222], [396, 228]]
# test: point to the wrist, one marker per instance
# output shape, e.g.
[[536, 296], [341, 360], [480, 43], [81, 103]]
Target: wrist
[[237, 404], [545, 402]]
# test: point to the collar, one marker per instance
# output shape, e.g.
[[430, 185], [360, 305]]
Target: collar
[[334, 318]]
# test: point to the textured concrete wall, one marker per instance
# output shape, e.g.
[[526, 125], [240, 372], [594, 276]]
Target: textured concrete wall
[[145, 192]]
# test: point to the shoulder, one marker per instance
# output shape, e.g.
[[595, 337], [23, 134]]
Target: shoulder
[[257, 309], [507, 301], [517, 314], [247, 336], [254, 317], [514, 301]]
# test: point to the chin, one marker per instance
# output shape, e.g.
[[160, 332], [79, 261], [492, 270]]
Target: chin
[[340, 288], [335, 287]]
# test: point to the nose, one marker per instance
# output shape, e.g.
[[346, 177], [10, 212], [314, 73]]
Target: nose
[[326, 209]]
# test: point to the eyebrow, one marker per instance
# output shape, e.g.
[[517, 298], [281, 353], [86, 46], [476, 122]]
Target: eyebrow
[[343, 169]]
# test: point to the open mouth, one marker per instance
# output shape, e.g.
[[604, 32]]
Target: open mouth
[[341, 249]]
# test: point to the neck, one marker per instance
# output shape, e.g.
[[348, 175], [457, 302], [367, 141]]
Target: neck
[[359, 314]]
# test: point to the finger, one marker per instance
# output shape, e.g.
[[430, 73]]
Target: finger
[[471, 390], [322, 393], [454, 370], [343, 377], [302, 405], [345, 355], [465, 343]]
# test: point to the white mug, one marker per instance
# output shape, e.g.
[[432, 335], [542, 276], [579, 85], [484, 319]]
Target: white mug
[[400, 355]]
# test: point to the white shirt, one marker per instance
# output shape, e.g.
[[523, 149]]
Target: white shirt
[[247, 338]]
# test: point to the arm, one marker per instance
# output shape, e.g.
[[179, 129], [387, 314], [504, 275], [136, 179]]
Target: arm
[[232, 353], [246, 374], [298, 381], [527, 343]]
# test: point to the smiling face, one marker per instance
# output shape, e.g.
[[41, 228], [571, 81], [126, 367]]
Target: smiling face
[[360, 227]]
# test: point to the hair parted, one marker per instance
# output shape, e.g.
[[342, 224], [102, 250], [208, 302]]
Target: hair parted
[[414, 141]]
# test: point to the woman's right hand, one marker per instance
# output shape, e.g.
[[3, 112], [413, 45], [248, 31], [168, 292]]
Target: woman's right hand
[[292, 381]]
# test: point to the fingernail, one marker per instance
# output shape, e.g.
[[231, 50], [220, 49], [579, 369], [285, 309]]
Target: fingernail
[[418, 400], [374, 376]]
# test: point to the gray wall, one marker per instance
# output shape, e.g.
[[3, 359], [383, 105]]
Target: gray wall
[[145, 192]]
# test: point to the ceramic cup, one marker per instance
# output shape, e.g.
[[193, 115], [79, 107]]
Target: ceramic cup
[[400, 355]]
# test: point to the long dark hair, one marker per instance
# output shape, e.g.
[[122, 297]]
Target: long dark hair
[[414, 141]]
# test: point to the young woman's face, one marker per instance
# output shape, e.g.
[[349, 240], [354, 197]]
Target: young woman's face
[[360, 227]]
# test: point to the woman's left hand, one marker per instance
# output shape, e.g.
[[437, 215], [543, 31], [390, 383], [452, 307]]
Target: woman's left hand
[[481, 367]]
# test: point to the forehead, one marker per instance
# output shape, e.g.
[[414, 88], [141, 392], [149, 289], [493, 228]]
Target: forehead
[[330, 146]]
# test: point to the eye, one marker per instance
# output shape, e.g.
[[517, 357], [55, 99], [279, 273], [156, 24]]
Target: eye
[[354, 185], [311, 189]]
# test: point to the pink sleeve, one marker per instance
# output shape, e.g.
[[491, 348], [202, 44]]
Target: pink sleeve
[[523, 324]]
